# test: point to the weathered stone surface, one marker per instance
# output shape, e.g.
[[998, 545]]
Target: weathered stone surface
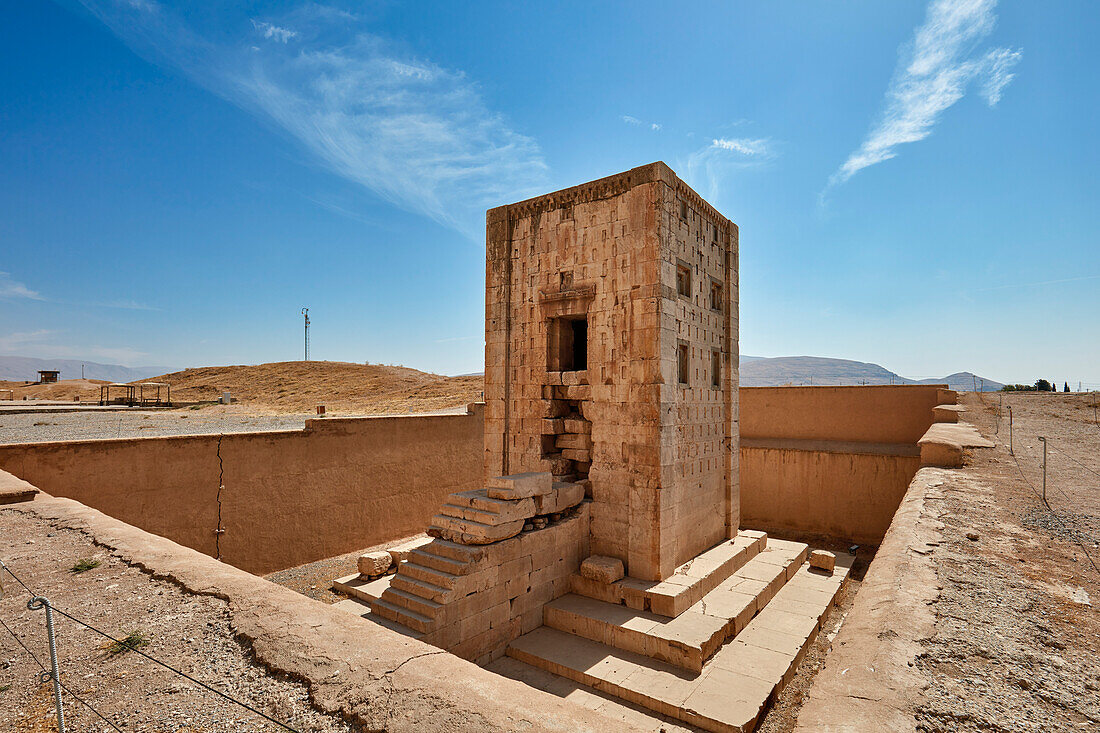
[[561, 498], [823, 560], [470, 532], [375, 563], [602, 569], [520, 485]]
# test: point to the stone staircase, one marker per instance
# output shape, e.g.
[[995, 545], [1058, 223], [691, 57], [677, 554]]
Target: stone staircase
[[711, 646], [461, 588]]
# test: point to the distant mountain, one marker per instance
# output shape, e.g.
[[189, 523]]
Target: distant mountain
[[966, 382], [25, 369], [817, 370]]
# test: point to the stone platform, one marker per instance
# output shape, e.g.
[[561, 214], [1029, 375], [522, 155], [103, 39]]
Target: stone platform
[[717, 664]]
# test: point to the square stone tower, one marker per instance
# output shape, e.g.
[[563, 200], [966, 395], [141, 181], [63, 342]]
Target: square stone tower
[[611, 357]]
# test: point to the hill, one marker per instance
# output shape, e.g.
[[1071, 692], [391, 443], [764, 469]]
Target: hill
[[966, 382], [818, 370], [25, 369], [299, 386]]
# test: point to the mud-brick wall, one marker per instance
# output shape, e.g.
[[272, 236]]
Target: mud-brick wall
[[831, 461], [289, 497]]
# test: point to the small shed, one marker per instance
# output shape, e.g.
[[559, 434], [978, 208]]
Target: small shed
[[48, 376]]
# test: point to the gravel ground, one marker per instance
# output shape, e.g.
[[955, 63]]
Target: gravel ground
[[39, 428], [190, 632], [315, 579], [44, 427], [1017, 636]]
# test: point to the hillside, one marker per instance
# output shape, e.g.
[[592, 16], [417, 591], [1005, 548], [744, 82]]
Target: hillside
[[817, 370], [299, 386], [25, 369]]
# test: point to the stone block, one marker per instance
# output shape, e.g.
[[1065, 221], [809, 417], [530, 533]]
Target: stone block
[[520, 485], [375, 563], [602, 569], [823, 560], [561, 498]]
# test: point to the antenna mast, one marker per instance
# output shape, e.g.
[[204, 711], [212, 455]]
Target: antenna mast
[[305, 314]]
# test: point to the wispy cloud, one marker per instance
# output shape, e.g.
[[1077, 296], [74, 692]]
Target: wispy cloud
[[274, 32], [706, 168], [17, 340], [631, 120], [936, 69], [417, 134], [10, 288]]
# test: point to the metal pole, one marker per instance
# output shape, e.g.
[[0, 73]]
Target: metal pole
[[1044, 468], [34, 604], [1010, 451]]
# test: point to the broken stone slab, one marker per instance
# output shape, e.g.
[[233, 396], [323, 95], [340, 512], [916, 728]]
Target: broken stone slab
[[470, 532], [823, 560], [520, 485], [602, 569], [374, 563], [563, 496]]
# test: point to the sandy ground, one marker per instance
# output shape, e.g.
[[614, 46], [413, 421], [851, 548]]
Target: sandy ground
[[294, 387], [190, 632], [1018, 633]]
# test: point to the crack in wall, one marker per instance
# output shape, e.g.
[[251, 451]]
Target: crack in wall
[[219, 531]]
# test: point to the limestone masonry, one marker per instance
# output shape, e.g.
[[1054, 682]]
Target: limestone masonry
[[611, 360]]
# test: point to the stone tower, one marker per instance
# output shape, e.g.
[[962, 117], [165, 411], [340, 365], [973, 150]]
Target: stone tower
[[611, 356]]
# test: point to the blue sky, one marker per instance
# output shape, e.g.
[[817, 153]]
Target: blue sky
[[915, 182]]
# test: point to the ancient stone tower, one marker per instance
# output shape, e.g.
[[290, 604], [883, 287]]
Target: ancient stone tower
[[611, 356]]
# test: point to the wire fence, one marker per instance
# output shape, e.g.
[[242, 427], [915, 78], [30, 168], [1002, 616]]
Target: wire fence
[[1042, 496], [48, 675]]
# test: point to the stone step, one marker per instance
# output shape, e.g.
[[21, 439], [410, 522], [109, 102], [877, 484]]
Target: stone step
[[359, 608], [432, 561], [479, 499], [423, 606], [733, 688], [427, 591], [454, 551], [425, 574], [410, 619], [401, 552], [689, 639], [690, 582], [471, 532], [490, 518], [359, 587], [519, 485]]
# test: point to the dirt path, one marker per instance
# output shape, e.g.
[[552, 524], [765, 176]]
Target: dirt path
[[191, 632], [1018, 634]]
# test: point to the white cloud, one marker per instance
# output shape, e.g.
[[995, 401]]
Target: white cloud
[[416, 134], [744, 145], [10, 288], [937, 68], [631, 120], [274, 32], [706, 168]]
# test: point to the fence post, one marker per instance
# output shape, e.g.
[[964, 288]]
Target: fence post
[[34, 604], [1044, 469], [1010, 451]]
